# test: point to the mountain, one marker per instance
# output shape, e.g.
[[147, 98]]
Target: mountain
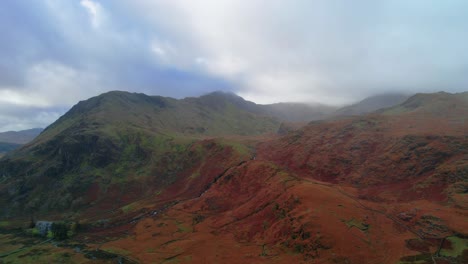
[[379, 188], [371, 104], [385, 187], [289, 112], [19, 137], [116, 137], [420, 147]]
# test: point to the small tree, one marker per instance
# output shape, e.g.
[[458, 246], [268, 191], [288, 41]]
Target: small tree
[[59, 231]]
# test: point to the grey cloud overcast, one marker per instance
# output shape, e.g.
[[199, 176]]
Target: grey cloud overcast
[[54, 53]]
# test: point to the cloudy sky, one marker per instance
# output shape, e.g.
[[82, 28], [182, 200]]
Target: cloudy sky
[[54, 53]]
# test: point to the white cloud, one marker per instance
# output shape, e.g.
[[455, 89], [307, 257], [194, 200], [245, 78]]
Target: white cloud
[[50, 84], [61, 85], [94, 11], [35, 118], [227, 66], [334, 52], [164, 52], [158, 51], [11, 96]]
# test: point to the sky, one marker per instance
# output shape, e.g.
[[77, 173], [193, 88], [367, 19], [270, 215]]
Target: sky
[[54, 53]]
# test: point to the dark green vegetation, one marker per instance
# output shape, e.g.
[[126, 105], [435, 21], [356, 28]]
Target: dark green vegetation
[[453, 249], [17, 247], [6, 147]]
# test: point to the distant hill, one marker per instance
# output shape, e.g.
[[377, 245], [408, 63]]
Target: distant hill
[[12, 140], [20, 137], [371, 104], [431, 103]]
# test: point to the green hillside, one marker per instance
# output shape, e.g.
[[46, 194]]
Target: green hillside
[[5, 147], [115, 138]]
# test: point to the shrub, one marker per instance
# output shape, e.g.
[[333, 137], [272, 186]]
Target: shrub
[[59, 231]]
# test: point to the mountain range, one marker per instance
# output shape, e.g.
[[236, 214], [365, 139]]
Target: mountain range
[[221, 179], [11, 140], [20, 137]]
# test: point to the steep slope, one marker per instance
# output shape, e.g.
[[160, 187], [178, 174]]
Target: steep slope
[[20, 137], [373, 189], [113, 139], [371, 104], [418, 153], [259, 213]]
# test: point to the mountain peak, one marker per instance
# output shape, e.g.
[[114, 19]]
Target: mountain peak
[[224, 95]]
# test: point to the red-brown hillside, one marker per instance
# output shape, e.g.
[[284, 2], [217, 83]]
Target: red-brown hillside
[[402, 157], [376, 189], [384, 188]]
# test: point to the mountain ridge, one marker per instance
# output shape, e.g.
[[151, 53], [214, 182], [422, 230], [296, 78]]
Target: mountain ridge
[[313, 193]]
